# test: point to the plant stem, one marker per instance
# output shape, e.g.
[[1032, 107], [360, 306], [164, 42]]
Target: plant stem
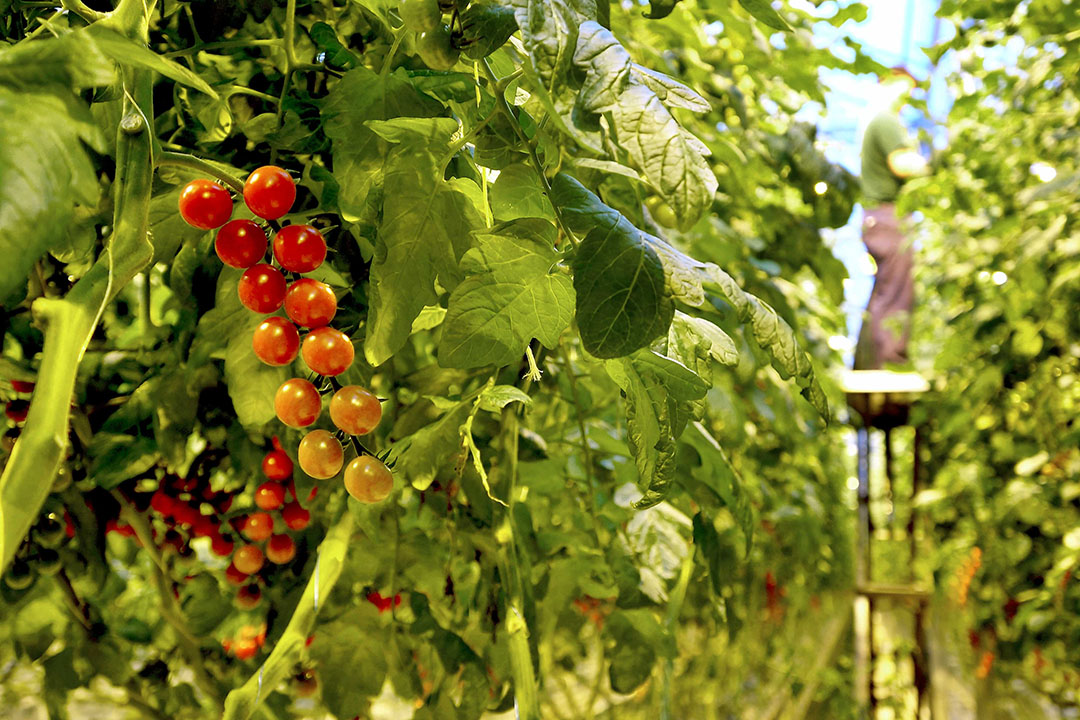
[[290, 29], [585, 449], [389, 61], [78, 609], [500, 102], [193, 163], [82, 10], [465, 140], [224, 45]]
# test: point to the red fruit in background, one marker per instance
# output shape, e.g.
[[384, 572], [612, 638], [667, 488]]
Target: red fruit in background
[[280, 549], [249, 597], [186, 514], [355, 409], [276, 341], [204, 526], [270, 192], [220, 546], [245, 649], [205, 204], [295, 517], [276, 465], [269, 496], [262, 288], [240, 243], [248, 559], [162, 503], [297, 403], [321, 455], [258, 527], [299, 248], [327, 351], [17, 410], [310, 303], [21, 386], [235, 575], [69, 524]]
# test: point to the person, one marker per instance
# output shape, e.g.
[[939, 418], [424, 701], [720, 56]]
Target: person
[[889, 157]]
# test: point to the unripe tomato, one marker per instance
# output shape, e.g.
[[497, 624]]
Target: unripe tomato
[[310, 303], [49, 531], [299, 248], [306, 682], [355, 410], [321, 455], [281, 549], [258, 527], [436, 50], [205, 204], [269, 496], [276, 465], [327, 351], [270, 192], [420, 15], [297, 403], [248, 559], [276, 341], [368, 480], [262, 289], [19, 575], [240, 243], [295, 517]]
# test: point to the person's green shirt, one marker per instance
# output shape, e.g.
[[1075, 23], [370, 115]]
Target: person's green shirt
[[884, 135]]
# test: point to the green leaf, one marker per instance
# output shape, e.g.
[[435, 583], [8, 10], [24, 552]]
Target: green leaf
[[37, 624], [128, 52], [350, 643], [659, 9], [69, 61], [203, 604], [621, 300], [519, 193], [485, 27], [44, 171], [639, 641], [427, 223], [513, 293], [432, 448], [716, 473], [763, 11], [774, 335], [116, 457], [718, 555], [497, 397], [326, 39]]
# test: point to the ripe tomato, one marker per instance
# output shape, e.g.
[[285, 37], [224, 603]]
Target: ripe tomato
[[220, 546], [262, 288], [281, 549], [355, 410], [162, 503], [297, 403], [245, 649], [276, 465], [270, 495], [327, 351], [299, 248], [310, 303], [420, 15], [276, 341], [234, 575], [240, 243], [436, 50], [321, 455], [17, 410], [295, 517], [248, 597], [269, 192], [21, 386], [248, 559], [205, 204], [258, 527], [368, 480]]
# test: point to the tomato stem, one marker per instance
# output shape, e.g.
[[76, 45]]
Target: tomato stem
[[193, 163]]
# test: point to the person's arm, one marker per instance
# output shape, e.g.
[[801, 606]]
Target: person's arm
[[905, 163]]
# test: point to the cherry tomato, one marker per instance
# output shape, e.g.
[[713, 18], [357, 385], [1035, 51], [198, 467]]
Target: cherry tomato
[[248, 597], [327, 351], [19, 575], [306, 683], [186, 514], [258, 527], [162, 503], [310, 303], [368, 480], [262, 288], [234, 575], [436, 50], [205, 204], [276, 465], [17, 410], [276, 341], [221, 546], [420, 15], [245, 649], [295, 517], [281, 549], [248, 559], [21, 386], [355, 410], [297, 403], [270, 495], [269, 192], [299, 248], [321, 455], [240, 243]]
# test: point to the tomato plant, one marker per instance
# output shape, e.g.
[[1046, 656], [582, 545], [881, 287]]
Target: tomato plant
[[565, 303]]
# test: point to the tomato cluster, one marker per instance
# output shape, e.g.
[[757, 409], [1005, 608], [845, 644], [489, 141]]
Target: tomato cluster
[[434, 42], [38, 554], [308, 303]]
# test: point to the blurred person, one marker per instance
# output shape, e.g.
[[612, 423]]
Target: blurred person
[[889, 157]]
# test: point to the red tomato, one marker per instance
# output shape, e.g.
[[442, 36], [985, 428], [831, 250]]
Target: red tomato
[[297, 403], [205, 204], [248, 559], [258, 527], [281, 549], [276, 465], [321, 455], [368, 480], [327, 351], [299, 248], [269, 496], [240, 243], [276, 341], [262, 289], [295, 517], [269, 192], [355, 410], [310, 303]]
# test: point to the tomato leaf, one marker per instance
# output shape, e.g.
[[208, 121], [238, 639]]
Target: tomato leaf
[[519, 193], [128, 52], [660, 9], [513, 293], [354, 640], [432, 448], [763, 11], [716, 473]]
